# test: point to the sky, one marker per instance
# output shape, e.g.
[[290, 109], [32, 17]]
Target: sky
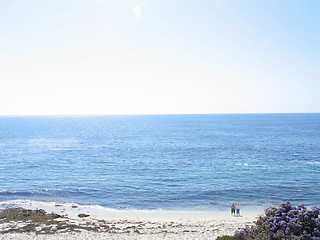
[[101, 57]]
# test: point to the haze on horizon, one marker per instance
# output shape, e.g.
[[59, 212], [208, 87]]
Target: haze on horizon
[[80, 57]]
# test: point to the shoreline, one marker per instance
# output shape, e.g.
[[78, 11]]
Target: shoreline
[[70, 221]]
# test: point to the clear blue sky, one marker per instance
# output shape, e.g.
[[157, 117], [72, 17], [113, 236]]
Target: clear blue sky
[[155, 57]]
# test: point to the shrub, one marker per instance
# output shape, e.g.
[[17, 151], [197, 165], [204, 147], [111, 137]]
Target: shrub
[[284, 222], [226, 238]]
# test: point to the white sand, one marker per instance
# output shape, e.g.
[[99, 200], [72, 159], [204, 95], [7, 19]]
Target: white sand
[[141, 224]]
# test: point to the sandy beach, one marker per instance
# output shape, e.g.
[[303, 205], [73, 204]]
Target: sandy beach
[[82, 222]]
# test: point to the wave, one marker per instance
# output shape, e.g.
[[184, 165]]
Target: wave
[[251, 165], [50, 206], [313, 163]]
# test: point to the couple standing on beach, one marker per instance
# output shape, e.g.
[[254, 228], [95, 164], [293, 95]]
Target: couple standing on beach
[[235, 210]]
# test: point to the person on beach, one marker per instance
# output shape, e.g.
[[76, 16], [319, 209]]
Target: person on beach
[[238, 209], [233, 209]]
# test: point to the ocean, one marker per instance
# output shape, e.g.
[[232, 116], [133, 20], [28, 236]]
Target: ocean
[[170, 162]]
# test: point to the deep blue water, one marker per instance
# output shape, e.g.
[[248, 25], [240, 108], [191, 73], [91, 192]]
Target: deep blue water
[[162, 161]]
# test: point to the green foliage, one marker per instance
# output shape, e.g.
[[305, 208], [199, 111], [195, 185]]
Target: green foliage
[[226, 238]]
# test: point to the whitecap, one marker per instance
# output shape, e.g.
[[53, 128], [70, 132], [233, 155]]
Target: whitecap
[[242, 164]]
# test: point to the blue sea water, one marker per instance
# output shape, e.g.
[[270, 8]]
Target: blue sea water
[[178, 162]]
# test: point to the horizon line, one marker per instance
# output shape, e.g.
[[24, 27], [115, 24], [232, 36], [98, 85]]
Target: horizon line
[[148, 114]]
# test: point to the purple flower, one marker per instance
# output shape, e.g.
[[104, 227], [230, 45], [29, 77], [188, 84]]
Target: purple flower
[[297, 229], [315, 211], [285, 222], [287, 231], [274, 229], [316, 233], [301, 216], [317, 223]]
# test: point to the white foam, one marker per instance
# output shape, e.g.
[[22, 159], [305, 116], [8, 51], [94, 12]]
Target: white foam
[[242, 164], [313, 163]]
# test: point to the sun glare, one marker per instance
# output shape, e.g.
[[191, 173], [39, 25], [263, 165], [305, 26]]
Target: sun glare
[[137, 12]]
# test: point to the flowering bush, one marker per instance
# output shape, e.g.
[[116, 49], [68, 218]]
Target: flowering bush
[[285, 222]]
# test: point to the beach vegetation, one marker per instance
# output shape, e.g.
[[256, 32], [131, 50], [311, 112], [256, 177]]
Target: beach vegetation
[[226, 238], [284, 221]]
